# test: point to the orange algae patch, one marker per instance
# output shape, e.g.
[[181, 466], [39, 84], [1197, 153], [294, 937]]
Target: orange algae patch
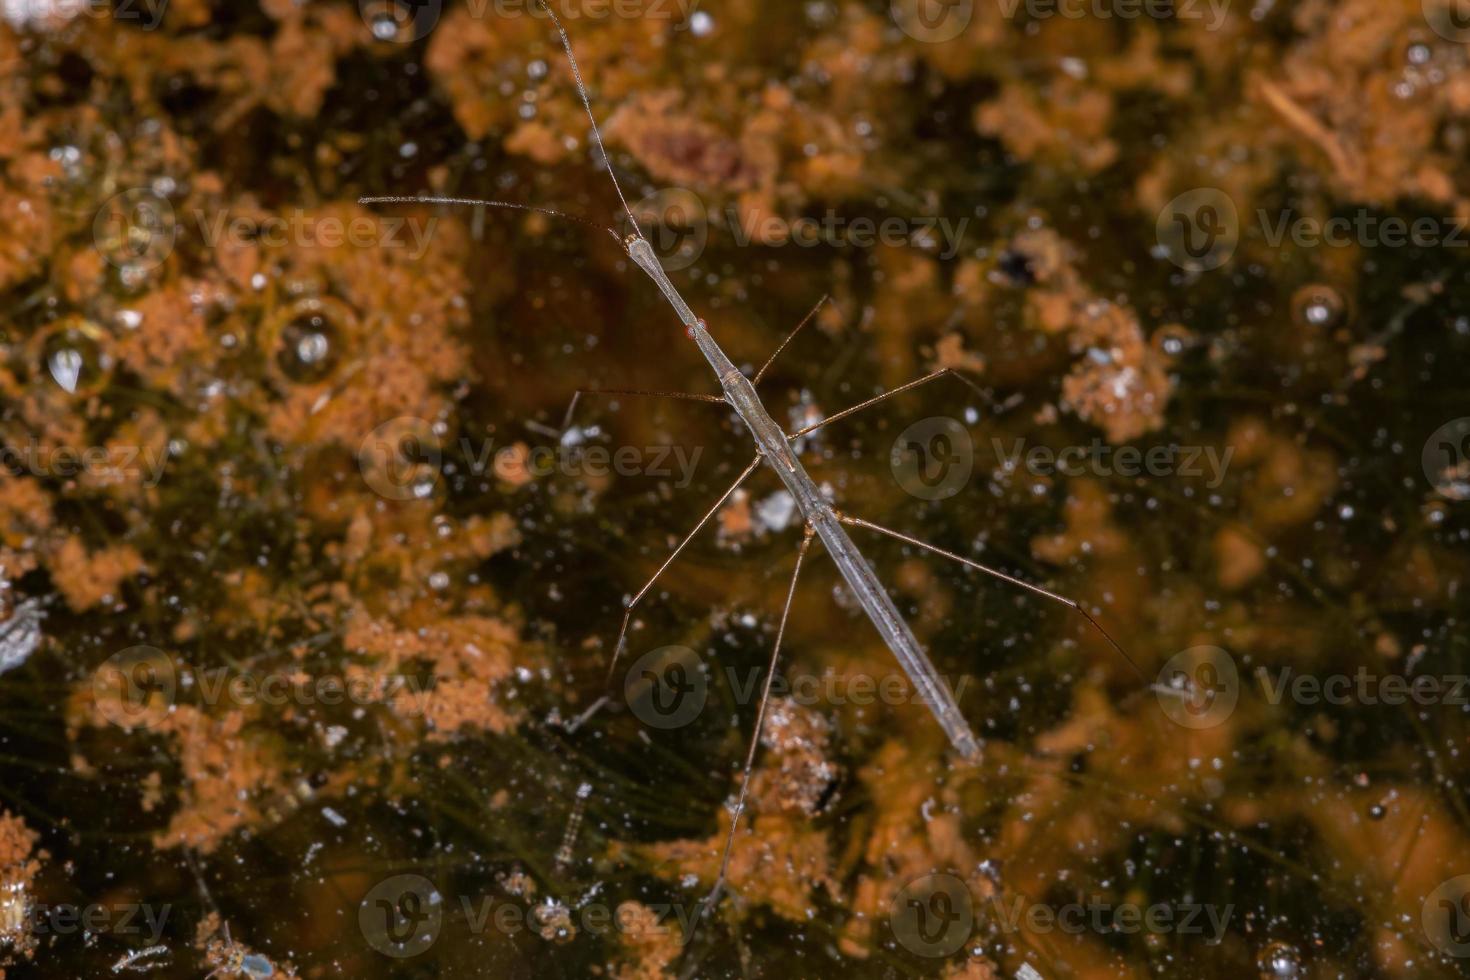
[[89, 579], [20, 863], [653, 946], [779, 858]]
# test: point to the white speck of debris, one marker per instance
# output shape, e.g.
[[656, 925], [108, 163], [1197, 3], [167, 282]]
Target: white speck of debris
[[776, 511], [1075, 67], [336, 818], [701, 23], [20, 634], [1028, 972], [133, 961], [334, 735]]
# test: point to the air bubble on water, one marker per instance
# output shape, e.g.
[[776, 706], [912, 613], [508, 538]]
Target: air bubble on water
[[701, 24], [439, 581], [307, 348], [1279, 961], [536, 69]]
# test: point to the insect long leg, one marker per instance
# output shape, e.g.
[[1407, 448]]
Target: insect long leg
[[789, 338], [628, 609], [995, 573], [941, 373], [755, 738], [566, 422]]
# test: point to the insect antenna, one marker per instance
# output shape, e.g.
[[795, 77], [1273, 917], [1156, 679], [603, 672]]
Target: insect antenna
[[566, 43], [477, 202]]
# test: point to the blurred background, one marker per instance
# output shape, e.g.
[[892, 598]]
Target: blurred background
[[309, 577]]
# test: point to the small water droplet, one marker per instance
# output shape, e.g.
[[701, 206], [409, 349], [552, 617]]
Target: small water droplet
[[307, 349], [1318, 306], [74, 358], [1279, 961]]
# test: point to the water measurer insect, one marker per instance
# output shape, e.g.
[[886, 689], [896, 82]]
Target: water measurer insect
[[822, 520]]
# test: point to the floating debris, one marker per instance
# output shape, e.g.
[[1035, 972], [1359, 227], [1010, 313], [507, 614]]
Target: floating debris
[[20, 634]]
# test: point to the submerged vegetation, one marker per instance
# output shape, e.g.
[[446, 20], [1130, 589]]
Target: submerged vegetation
[[306, 583]]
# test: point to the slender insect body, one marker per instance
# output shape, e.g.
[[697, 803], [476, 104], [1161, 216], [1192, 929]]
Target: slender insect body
[[822, 520], [775, 448]]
